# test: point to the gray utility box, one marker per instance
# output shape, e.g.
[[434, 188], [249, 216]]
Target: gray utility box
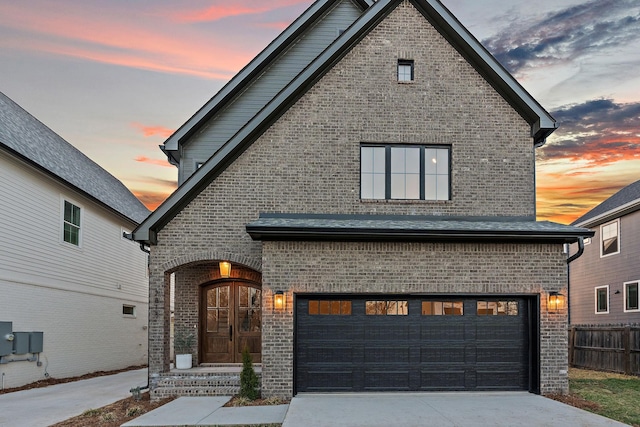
[[36, 342], [6, 345], [21, 342]]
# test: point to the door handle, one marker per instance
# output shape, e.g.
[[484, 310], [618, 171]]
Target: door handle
[[230, 332]]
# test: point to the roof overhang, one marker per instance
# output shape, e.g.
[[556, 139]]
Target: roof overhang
[[310, 227], [612, 214]]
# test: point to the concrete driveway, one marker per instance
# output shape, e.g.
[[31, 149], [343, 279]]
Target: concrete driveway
[[436, 409]]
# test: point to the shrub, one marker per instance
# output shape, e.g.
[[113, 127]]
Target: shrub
[[249, 383]]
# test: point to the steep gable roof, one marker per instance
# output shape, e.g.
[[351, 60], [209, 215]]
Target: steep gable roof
[[30, 140], [541, 122], [621, 203]]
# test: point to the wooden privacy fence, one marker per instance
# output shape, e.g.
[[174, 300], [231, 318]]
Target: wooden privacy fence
[[605, 348]]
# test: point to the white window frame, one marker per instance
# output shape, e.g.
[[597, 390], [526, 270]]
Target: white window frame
[[617, 222], [62, 222], [596, 298], [129, 316], [624, 302]]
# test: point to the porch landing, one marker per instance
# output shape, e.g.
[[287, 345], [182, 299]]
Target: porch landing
[[205, 380]]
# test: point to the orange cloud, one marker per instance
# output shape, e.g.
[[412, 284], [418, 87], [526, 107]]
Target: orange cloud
[[565, 191], [157, 162], [151, 199], [148, 131]]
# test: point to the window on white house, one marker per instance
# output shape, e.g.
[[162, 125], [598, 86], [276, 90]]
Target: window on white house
[[602, 299], [405, 70], [631, 298], [404, 172], [610, 238], [128, 310], [71, 223]]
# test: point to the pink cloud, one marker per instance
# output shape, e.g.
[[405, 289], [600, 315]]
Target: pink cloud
[[150, 161], [220, 11], [89, 35]]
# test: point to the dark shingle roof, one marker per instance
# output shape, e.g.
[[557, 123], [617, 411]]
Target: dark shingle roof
[[28, 138], [613, 207], [277, 226]]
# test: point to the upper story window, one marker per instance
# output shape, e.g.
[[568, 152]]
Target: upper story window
[[71, 223], [610, 238], [405, 70], [631, 298], [602, 299], [404, 172]]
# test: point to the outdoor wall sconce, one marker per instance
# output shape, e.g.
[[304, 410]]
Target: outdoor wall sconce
[[279, 300], [225, 269], [556, 301]]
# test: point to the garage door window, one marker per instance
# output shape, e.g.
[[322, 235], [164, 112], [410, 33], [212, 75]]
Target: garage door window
[[442, 308], [497, 308], [387, 308], [330, 308]]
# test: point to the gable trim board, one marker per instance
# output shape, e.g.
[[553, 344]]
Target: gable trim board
[[409, 228], [541, 122]]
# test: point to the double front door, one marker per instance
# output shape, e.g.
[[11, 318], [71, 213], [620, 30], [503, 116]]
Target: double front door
[[231, 321]]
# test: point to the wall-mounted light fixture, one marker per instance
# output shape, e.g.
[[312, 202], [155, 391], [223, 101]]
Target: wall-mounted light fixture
[[279, 300], [556, 301], [225, 269]]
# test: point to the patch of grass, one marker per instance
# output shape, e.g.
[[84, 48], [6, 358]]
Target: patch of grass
[[616, 395]]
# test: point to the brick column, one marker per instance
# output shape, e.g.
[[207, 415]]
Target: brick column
[[159, 324]]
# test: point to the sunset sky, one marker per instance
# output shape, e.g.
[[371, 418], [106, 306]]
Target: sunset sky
[[115, 78]]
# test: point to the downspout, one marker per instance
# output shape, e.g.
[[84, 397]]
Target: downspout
[[135, 391], [569, 260]]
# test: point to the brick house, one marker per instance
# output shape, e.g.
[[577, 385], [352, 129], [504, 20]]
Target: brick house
[[370, 179]]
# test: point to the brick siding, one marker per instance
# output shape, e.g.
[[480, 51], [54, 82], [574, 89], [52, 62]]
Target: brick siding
[[309, 162]]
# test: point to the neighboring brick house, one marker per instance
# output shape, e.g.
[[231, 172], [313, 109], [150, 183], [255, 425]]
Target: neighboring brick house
[[604, 281], [374, 169], [65, 268]]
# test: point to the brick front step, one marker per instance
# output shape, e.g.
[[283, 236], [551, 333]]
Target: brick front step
[[192, 383]]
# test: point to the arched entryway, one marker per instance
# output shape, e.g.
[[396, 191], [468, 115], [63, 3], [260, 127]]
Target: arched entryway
[[230, 319]]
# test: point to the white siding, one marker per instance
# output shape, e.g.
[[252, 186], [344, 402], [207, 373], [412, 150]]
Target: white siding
[[73, 294]]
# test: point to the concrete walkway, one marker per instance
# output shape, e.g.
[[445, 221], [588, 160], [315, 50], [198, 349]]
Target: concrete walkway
[[50, 405], [378, 410], [208, 411]]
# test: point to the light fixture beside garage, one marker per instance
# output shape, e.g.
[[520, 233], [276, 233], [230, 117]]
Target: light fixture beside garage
[[225, 269], [279, 300], [556, 301]]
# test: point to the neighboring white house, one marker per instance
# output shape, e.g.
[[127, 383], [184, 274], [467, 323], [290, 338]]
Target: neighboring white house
[[65, 268]]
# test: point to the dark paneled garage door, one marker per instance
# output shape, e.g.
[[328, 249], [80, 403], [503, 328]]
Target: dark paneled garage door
[[399, 343]]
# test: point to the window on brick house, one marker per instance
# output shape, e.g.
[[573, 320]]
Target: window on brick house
[[602, 299], [404, 172], [405, 70]]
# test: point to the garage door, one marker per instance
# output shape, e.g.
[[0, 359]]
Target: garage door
[[409, 344]]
